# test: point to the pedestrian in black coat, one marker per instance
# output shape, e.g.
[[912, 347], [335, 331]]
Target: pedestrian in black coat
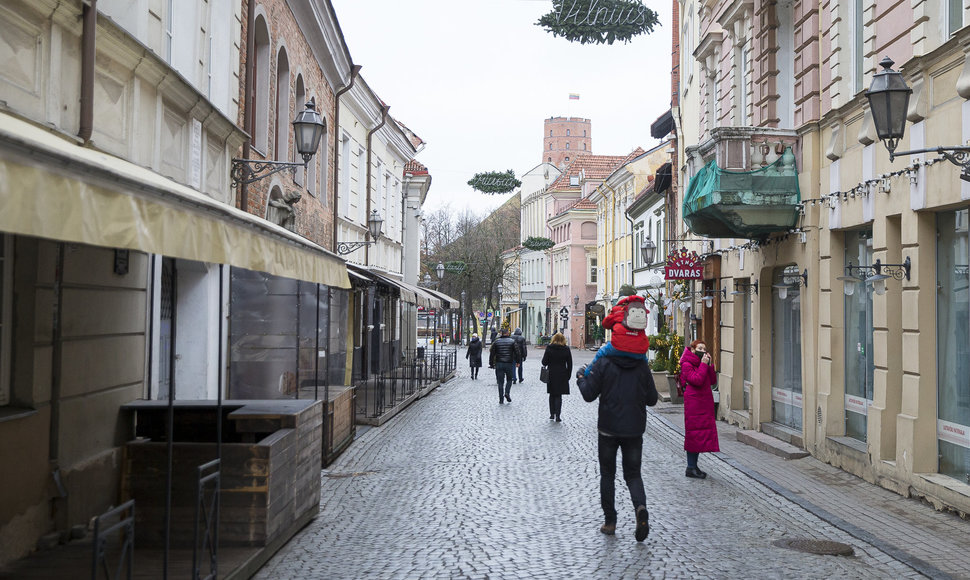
[[560, 362], [474, 355]]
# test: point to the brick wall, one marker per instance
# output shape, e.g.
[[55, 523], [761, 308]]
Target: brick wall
[[314, 210], [557, 141]]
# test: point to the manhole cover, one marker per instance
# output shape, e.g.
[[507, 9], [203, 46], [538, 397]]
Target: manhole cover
[[821, 547], [348, 473]]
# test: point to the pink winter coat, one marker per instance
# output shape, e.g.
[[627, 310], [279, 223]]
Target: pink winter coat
[[700, 428]]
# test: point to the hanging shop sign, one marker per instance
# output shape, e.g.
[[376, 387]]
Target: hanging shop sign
[[683, 264]]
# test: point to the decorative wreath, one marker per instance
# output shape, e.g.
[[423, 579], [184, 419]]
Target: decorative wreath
[[537, 244], [495, 182], [598, 21]]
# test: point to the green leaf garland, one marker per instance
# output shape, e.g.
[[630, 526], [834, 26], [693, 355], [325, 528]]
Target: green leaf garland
[[495, 182], [599, 21], [537, 244]]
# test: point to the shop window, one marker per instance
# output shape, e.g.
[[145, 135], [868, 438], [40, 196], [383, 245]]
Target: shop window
[[746, 349], [953, 344], [859, 367], [786, 343]]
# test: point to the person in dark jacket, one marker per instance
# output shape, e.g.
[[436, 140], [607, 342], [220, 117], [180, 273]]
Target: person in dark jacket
[[625, 389], [474, 355], [503, 356], [492, 337], [560, 362], [523, 351]]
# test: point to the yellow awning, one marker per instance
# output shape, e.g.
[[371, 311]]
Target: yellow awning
[[52, 188]]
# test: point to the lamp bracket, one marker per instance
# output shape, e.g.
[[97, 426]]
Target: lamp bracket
[[250, 170], [896, 271], [746, 286], [344, 248], [959, 156]]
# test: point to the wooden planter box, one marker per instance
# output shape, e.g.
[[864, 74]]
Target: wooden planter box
[[339, 422], [270, 476]]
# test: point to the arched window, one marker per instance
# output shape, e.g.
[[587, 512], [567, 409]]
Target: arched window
[[550, 147], [283, 115], [259, 106], [550, 132], [567, 145], [567, 159], [550, 160], [584, 146], [584, 132], [567, 132], [298, 103]]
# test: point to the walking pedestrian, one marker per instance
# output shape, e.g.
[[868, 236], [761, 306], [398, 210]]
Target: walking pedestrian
[[625, 389], [560, 362], [474, 355], [503, 356], [492, 338], [697, 374], [523, 350]]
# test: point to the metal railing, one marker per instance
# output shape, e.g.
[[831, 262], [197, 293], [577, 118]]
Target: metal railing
[[418, 369], [207, 512], [125, 526]]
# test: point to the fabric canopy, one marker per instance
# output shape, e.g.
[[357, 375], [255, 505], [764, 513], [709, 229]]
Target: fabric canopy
[[737, 204], [52, 188]]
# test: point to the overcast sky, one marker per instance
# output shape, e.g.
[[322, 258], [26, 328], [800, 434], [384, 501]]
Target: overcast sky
[[475, 79]]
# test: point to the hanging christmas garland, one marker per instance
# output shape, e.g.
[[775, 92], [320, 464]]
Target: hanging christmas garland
[[598, 21], [495, 182], [537, 244]]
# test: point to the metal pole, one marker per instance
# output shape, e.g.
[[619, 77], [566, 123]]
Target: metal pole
[[170, 429]]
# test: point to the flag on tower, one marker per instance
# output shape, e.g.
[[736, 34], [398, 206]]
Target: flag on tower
[[573, 96]]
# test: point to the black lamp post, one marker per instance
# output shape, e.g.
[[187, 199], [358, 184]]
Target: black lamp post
[[461, 318], [308, 128], [888, 97]]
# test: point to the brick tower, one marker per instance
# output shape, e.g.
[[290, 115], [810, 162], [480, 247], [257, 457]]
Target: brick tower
[[563, 138]]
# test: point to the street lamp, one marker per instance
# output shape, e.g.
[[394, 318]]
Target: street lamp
[[461, 324], [374, 226], [879, 274], [440, 270], [648, 250], [499, 289], [888, 97], [308, 128], [791, 280], [575, 302]]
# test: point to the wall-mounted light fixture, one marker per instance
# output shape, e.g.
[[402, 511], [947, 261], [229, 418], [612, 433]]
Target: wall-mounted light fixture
[[648, 250], [308, 128], [374, 225], [791, 279], [709, 298], [888, 97], [876, 274], [742, 286]]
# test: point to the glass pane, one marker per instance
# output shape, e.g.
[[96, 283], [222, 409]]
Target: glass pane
[[307, 335], [262, 336], [337, 368], [954, 16], [786, 391], [953, 338], [858, 338], [746, 333]]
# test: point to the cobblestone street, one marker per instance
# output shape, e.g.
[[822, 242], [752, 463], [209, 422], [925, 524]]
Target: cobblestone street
[[458, 486]]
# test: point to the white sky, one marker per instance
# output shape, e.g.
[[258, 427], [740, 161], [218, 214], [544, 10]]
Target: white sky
[[475, 79]]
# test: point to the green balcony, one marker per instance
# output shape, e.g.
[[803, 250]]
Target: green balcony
[[743, 204]]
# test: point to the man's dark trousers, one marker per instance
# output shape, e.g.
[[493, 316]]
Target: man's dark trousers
[[632, 448], [504, 373]]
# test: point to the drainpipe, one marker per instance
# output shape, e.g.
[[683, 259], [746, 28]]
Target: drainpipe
[[249, 99], [354, 71], [404, 203], [54, 435], [89, 28], [370, 135]]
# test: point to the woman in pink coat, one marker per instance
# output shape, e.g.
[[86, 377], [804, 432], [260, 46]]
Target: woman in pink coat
[[700, 429]]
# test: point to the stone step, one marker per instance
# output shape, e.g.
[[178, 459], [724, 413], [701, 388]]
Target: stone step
[[770, 444]]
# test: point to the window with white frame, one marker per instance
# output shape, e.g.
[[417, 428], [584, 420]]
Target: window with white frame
[[362, 192], [954, 16], [856, 23], [591, 269], [344, 202], [6, 299]]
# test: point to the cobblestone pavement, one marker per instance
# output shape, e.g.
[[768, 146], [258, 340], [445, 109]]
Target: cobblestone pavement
[[458, 486]]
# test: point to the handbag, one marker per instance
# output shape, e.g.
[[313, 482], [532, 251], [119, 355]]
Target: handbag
[[544, 375]]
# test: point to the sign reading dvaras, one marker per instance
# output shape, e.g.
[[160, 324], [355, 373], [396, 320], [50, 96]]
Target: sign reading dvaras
[[683, 265]]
